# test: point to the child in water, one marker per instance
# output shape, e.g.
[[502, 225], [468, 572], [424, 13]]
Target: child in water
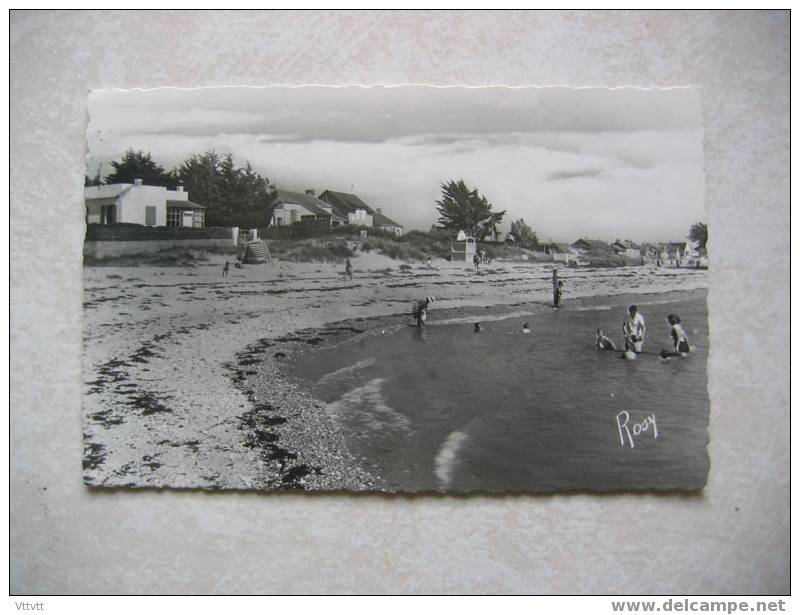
[[603, 343], [680, 341], [525, 328], [477, 327]]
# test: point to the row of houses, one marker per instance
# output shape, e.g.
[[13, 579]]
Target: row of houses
[[335, 207], [159, 206], [666, 253]]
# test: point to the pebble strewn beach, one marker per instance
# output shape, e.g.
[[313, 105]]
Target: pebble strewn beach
[[182, 367]]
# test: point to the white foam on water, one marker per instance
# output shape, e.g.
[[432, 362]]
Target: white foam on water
[[482, 318], [346, 370], [447, 457], [365, 409]]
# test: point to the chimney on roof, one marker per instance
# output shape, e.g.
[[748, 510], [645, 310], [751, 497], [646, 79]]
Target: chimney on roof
[[379, 210], [311, 192], [137, 182]]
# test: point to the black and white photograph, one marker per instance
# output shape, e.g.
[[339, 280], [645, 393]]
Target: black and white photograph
[[396, 289]]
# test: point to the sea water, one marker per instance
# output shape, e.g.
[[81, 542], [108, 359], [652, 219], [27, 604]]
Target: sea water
[[443, 408]]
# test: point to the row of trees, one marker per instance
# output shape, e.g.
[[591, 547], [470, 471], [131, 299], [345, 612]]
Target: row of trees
[[233, 196]]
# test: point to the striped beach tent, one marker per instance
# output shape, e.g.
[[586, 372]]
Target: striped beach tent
[[256, 252]]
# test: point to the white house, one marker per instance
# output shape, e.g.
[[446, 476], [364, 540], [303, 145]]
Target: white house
[[384, 223], [139, 204], [292, 207], [349, 206], [626, 247]]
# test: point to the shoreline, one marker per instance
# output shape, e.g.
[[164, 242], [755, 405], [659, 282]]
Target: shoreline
[[197, 398]]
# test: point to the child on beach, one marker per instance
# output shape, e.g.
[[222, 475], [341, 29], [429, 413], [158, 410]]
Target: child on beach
[[476, 260], [419, 310], [680, 341], [602, 342], [558, 292], [477, 327], [348, 269], [525, 328], [633, 329], [226, 269]]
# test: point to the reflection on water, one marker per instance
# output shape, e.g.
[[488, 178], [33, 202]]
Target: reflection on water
[[446, 408]]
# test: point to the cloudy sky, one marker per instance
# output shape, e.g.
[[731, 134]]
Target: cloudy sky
[[596, 162]]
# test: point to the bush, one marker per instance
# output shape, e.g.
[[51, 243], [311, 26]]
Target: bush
[[312, 250]]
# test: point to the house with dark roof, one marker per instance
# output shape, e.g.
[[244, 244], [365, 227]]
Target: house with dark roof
[[380, 221], [139, 204], [296, 207], [349, 207], [591, 246], [627, 248]]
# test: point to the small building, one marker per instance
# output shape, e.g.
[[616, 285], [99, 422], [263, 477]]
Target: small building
[[349, 207], [677, 253], [381, 222], [560, 252], [139, 204], [463, 248], [650, 253], [627, 248], [590, 246], [296, 207]]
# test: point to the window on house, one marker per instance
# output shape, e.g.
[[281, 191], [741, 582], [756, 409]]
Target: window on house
[[108, 214], [173, 216], [150, 216], [199, 218]]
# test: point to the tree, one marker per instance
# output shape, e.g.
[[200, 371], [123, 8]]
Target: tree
[[524, 234], [233, 196], [462, 208], [97, 180], [138, 165], [699, 234]]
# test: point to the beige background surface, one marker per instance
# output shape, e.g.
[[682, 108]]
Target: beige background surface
[[732, 539]]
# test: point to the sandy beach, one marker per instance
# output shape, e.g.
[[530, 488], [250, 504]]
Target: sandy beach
[[182, 367]]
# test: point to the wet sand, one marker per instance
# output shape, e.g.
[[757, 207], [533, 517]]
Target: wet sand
[[183, 368]]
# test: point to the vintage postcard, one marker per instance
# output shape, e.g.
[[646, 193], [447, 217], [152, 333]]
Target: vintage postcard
[[396, 289]]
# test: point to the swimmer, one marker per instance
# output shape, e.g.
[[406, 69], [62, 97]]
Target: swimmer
[[633, 329], [603, 343], [525, 328], [477, 327], [680, 341]]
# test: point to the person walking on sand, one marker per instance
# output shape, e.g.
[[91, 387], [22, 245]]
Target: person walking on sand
[[680, 341], [476, 260], [555, 288], [429, 264], [633, 329], [558, 292], [226, 269], [348, 269], [420, 310]]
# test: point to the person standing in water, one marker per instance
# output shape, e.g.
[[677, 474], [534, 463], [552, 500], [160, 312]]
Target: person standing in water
[[633, 329], [680, 341], [420, 310]]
